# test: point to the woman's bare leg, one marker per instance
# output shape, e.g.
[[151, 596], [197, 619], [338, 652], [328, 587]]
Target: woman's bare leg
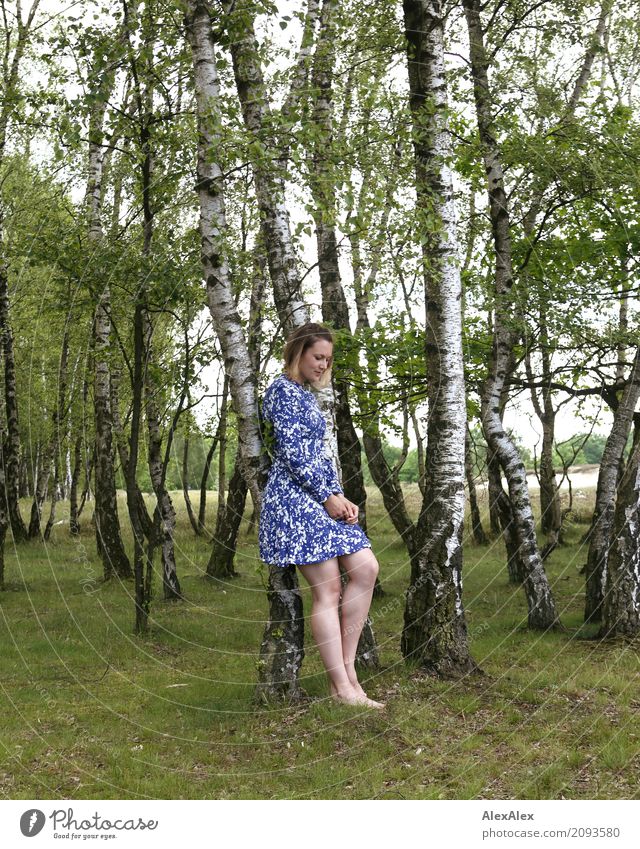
[[325, 583], [362, 569]]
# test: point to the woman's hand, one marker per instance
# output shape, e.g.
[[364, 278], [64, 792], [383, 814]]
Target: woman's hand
[[339, 507], [334, 506], [351, 516]]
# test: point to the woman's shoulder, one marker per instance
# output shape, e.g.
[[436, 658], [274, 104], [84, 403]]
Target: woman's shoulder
[[281, 386], [283, 390], [277, 384]]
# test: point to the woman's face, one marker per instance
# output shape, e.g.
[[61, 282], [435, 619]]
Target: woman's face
[[315, 361]]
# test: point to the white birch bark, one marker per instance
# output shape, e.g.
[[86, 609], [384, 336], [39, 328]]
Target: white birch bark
[[602, 523], [621, 603], [541, 606], [217, 276], [282, 647], [267, 162], [108, 535], [13, 48], [435, 631]]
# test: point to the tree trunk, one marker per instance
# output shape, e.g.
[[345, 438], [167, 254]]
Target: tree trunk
[[108, 536], [225, 538], [89, 463], [12, 441], [142, 589], [282, 646], [494, 487], [40, 493], [479, 535], [25, 489], [202, 505], [504, 514], [621, 602], [185, 487], [4, 516], [550, 508], [164, 518], [207, 463], [55, 496], [164, 522], [282, 650], [542, 613], [78, 460], [74, 519], [383, 476], [59, 416], [121, 441], [17, 39], [254, 341], [265, 163], [222, 463], [434, 635], [604, 513]]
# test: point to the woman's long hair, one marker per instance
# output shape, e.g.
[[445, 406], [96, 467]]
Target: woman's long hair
[[298, 342]]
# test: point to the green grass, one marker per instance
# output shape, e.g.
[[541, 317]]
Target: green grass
[[91, 711]]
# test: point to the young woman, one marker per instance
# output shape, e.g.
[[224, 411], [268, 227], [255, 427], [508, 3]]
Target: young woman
[[305, 518]]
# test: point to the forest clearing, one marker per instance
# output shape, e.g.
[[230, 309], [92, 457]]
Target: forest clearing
[[438, 203], [89, 713]]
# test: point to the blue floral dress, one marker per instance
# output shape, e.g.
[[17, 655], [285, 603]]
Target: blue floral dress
[[294, 526]]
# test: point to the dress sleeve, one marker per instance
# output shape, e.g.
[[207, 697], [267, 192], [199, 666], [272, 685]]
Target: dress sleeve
[[292, 440], [331, 476]]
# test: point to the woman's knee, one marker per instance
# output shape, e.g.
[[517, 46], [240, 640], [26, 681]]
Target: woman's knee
[[327, 592], [362, 566], [372, 568], [324, 580]]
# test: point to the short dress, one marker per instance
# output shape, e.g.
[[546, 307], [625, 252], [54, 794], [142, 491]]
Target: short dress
[[294, 527]]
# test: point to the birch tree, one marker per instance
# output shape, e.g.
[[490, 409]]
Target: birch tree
[[605, 516], [541, 606], [282, 650], [435, 631], [108, 532], [335, 310], [323, 179], [18, 31], [143, 78], [621, 597], [267, 158]]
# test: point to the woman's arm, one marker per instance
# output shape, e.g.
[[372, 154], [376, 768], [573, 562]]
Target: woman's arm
[[291, 434], [331, 476]]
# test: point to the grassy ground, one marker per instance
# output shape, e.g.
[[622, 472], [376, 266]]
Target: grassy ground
[[90, 711]]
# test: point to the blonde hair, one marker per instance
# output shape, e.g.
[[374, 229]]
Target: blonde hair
[[300, 340]]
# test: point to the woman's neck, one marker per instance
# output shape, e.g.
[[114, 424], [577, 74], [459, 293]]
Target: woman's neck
[[292, 379]]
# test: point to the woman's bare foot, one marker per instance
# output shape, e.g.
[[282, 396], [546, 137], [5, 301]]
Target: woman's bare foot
[[358, 687], [344, 694], [374, 704], [356, 696]]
